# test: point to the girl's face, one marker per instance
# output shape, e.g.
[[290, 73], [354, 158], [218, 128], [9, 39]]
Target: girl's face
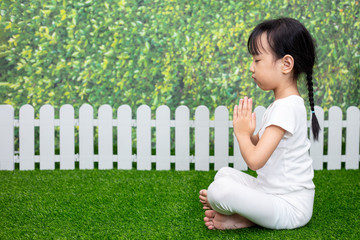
[[265, 68]]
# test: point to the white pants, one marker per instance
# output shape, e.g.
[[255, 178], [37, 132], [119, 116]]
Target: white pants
[[236, 192]]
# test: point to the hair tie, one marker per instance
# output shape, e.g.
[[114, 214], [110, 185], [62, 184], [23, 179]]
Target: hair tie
[[312, 111]]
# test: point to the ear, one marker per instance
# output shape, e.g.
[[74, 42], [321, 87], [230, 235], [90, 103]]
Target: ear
[[287, 64]]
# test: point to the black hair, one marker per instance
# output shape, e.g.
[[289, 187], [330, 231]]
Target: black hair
[[289, 36]]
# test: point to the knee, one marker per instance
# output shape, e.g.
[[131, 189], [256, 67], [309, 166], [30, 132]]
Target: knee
[[222, 172], [220, 190]]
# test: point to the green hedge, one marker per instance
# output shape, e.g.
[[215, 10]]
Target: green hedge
[[162, 52]]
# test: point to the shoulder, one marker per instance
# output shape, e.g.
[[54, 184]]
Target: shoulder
[[285, 113], [292, 105]]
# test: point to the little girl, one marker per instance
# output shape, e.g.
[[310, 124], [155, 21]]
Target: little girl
[[282, 195]]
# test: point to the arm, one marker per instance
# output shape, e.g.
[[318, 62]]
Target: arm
[[244, 121]]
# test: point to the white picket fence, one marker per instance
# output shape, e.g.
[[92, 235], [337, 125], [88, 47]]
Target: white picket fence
[[125, 137]]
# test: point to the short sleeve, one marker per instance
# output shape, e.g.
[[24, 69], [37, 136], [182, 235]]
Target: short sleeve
[[284, 116]]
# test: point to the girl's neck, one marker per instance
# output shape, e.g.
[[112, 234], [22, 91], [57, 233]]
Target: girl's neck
[[285, 91]]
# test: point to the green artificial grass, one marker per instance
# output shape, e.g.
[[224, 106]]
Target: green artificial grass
[[114, 204]]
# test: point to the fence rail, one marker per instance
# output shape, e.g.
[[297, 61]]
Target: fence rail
[[338, 136]]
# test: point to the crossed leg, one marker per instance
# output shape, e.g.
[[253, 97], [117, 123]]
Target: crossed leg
[[232, 202], [215, 220]]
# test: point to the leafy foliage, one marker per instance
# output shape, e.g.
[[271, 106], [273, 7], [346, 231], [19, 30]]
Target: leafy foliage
[[163, 52]]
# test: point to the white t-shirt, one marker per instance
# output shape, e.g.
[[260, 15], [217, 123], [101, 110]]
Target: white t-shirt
[[289, 168]]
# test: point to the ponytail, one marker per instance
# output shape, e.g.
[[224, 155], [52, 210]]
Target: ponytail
[[315, 127]]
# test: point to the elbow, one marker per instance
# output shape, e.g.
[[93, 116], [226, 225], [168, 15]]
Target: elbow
[[254, 167], [255, 164]]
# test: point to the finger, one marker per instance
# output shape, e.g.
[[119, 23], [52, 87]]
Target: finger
[[250, 107], [235, 113], [253, 118], [245, 107], [240, 109]]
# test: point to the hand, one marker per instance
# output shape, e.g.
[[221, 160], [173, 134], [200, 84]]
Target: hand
[[244, 121]]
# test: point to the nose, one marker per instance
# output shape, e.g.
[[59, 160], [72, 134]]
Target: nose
[[252, 67]]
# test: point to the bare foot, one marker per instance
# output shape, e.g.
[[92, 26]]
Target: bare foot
[[203, 199], [215, 220]]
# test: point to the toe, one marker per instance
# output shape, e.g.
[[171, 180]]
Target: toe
[[210, 213], [208, 224], [203, 192]]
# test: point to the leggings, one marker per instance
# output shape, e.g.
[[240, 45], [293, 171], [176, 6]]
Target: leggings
[[235, 192]]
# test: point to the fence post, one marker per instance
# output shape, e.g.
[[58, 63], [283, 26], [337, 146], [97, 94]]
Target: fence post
[[202, 131], [221, 141], [26, 137], [124, 137], [239, 162], [86, 137], [163, 138], [143, 137], [6, 137], [105, 137], [317, 147], [334, 138], [67, 137], [352, 138], [47, 138], [182, 138]]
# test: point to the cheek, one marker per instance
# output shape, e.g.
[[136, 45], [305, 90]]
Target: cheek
[[278, 66]]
